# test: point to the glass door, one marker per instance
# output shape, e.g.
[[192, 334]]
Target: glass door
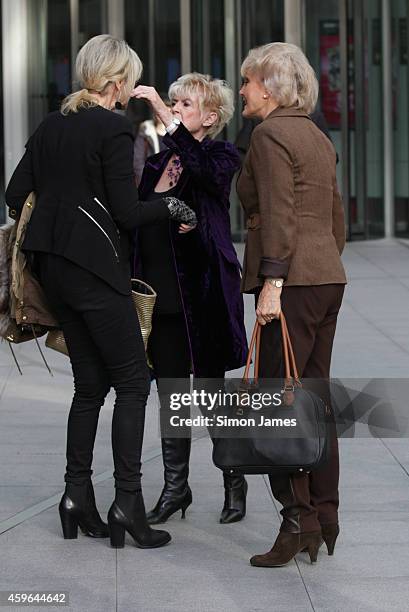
[[366, 202], [344, 46], [207, 26], [400, 58], [49, 60]]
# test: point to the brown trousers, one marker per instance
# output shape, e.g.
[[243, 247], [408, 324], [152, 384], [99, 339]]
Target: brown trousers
[[308, 500]]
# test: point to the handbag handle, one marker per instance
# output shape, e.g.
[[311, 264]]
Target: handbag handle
[[290, 367]]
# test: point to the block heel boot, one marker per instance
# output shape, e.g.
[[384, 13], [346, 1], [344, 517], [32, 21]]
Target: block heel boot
[[78, 509], [127, 513]]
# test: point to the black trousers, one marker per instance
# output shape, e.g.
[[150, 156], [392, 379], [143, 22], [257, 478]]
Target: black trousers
[[311, 314], [170, 354], [105, 346]]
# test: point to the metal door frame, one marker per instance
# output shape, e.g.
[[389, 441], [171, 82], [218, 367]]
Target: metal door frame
[[345, 139], [358, 24]]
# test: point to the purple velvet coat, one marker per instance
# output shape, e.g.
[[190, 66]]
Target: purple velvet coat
[[205, 260]]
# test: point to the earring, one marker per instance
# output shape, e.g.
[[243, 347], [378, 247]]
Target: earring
[[118, 104], [265, 96]]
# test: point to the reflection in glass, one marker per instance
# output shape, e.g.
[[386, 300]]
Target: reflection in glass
[[262, 21], [49, 69], [400, 50], [208, 37], [167, 43], [364, 154], [90, 19], [323, 52], [58, 53], [373, 118], [137, 35]]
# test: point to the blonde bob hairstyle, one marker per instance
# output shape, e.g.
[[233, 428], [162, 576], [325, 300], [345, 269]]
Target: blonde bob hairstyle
[[101, 61], [286, 73], [214, 95]]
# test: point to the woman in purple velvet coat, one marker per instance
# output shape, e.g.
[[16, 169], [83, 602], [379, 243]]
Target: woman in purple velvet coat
[[198, 322]]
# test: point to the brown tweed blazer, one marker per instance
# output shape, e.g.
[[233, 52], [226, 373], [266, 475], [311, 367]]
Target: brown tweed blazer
[[294, 213]]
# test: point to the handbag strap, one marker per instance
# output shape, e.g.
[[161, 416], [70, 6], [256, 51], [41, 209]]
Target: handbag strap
[[250, 353], [290, 367], [291, 353]]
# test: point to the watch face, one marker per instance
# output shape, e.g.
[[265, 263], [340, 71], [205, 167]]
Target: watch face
[[279, 283]]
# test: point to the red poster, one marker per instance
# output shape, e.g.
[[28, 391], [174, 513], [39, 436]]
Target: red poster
[[330, 75]]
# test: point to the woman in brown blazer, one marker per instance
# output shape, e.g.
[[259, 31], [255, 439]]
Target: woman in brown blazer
[[296, 234]]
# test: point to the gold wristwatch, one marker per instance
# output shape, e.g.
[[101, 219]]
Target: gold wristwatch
[[276, 282]]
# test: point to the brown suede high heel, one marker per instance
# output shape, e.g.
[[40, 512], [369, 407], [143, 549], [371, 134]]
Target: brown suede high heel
[[330, 533], [286, 546]]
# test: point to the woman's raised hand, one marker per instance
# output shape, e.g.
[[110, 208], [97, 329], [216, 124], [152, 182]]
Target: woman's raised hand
[[159, 108]]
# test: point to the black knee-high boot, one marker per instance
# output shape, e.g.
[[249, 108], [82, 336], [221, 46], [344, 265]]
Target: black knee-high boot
[[176, 494], [235, 492]]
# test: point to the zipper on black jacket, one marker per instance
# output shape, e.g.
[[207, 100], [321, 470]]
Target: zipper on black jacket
[[108, 213], [101, 229]]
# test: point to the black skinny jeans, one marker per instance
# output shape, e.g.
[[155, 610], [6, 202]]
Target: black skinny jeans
[[104, 341]]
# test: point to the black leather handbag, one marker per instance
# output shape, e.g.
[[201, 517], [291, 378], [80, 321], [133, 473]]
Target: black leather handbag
[[267, 454]]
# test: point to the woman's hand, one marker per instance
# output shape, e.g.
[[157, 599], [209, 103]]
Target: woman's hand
[[184, 228], [181, 212], [159, 108], [269, 303]]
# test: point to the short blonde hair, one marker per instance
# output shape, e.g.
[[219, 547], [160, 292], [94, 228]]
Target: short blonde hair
[[102, 60], [286, 73], [213, 95]]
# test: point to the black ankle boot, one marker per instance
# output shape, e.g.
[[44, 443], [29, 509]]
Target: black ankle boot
[[77, 509], [127, 513], [176, 494], [235, 491]]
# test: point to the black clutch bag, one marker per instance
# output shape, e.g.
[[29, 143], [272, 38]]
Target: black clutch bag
[[305, 449]]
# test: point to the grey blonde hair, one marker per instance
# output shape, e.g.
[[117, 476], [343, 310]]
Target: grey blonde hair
[[286, 73], [213, 95], [101, 61]]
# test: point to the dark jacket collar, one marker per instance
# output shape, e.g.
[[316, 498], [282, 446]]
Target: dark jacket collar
[[155, 165], [206, 143]]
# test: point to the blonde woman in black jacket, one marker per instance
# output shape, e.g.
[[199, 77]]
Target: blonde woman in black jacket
[[79, 163]]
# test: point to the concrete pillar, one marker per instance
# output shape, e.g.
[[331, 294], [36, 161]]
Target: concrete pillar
[[15, 91], [293, 28], [116, 18], [185, 37], [389, 199], [75, 39]]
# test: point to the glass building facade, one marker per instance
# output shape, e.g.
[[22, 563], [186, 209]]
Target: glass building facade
[[359, 49]]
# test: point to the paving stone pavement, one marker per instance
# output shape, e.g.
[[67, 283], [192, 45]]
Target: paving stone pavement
[[206, 567]]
